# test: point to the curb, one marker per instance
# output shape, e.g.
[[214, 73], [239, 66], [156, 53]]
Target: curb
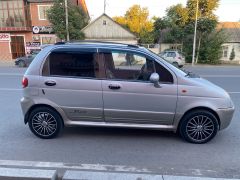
[[27, 174], [42, 174]]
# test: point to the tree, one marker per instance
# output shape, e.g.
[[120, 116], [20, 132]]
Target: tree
[[205, 27], [76, 17], [178, 15], [206, 8], [232, 55], [136, 19]]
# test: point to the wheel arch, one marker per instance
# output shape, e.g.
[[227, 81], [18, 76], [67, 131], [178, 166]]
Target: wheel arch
[[40, 105], [200, 108]]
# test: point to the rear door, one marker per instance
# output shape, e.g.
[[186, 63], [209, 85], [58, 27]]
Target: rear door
[[71, 79], [128, 95], [170, 56]]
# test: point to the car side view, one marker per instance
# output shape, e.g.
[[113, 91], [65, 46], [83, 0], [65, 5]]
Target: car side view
[[118, 85], [174, 57]]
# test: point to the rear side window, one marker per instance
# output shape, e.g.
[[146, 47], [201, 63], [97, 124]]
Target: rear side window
[[71, 64]]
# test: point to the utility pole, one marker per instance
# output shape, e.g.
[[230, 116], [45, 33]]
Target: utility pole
[[66, 15], [195, 34], [105, 4]]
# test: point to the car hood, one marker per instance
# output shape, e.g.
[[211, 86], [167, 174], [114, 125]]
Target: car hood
[[204, 88]]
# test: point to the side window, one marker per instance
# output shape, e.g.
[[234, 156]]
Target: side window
[[171, 54], [71, 64], [122, 65], [165, 75]]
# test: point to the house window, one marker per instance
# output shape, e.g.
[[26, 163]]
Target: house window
[[12, 13], [225, 51], [104, 22], [42, 11]]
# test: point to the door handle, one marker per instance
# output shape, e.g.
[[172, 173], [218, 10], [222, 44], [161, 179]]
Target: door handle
[[50, 83], [114, 86]]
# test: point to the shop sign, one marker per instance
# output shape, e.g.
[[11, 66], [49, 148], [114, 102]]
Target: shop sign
[[42, 30], [5, 37], [33, 45]]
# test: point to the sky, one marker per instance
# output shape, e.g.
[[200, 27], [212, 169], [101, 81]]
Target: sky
[[229, 10]]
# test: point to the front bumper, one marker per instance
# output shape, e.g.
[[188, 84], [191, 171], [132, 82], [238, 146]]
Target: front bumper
[[225, 116]]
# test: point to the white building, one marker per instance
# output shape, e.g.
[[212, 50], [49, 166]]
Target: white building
[[232, 32]]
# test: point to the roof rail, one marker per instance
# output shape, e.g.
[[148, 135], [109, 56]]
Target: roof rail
[[94, 41]]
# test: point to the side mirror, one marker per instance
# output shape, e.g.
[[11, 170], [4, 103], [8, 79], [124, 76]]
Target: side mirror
[[154, 78]]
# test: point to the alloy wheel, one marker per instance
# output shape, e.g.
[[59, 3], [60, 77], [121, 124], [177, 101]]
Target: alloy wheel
[[200, 128], [44, 124]]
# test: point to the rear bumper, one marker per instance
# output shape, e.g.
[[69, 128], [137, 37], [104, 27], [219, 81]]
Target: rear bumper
[[225, 116], [26, 104]]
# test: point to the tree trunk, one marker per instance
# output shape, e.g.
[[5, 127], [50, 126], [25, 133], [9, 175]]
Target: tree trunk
[[198, 49]]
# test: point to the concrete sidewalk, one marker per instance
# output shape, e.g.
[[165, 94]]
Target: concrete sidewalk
[[43, 174], [7, 63]]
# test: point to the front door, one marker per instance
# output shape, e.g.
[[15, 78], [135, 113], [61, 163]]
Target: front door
[[71, 81], [128, 95], [17, 46]]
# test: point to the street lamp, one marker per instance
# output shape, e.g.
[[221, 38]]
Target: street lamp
[[195, 33], [66, 16]]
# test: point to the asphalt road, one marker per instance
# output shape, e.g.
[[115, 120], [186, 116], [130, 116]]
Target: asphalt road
[[154, 151]]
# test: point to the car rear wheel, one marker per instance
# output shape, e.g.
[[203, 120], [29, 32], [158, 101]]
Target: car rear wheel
[[45, 122], [199, 127], [21, 63]]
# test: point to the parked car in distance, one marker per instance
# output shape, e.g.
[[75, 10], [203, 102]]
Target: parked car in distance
[[174, 57], [26, 60], [118, 85]]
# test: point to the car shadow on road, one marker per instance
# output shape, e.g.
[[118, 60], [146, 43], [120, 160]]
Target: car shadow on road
[[118, 132]]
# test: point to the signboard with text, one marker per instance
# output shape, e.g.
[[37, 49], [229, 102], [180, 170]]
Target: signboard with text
[[42, 30], [5, 37]]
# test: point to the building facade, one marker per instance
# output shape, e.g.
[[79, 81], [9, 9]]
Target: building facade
[[24, 26], [232, 32], [105, 28]]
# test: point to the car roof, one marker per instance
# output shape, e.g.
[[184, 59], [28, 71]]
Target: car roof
[[96, 44]]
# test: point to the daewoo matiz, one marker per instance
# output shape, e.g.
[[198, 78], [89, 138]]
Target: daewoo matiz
[[119, 85]]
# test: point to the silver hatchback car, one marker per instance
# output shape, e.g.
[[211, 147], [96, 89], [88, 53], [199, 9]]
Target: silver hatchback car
[[119, 85]]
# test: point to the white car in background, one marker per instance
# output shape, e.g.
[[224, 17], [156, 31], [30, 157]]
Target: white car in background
[[174, 57]]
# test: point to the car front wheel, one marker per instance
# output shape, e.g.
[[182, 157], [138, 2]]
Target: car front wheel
[[45, 122], [199, 126]]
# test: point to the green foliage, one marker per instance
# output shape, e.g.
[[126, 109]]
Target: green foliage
[[178, 28], [146, 37], [159, 25], [211, 49], [232, 55], [178, 15], [76, 17]]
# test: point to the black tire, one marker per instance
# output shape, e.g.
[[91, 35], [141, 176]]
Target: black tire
[[175, 64], [21, 63], [45, 122], [198, 127]]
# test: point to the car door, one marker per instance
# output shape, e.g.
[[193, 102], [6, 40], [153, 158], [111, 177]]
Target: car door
[[71, 80], [170, 56], [128, 95]]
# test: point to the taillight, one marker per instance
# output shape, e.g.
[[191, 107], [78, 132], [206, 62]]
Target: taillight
[[24, 82]]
